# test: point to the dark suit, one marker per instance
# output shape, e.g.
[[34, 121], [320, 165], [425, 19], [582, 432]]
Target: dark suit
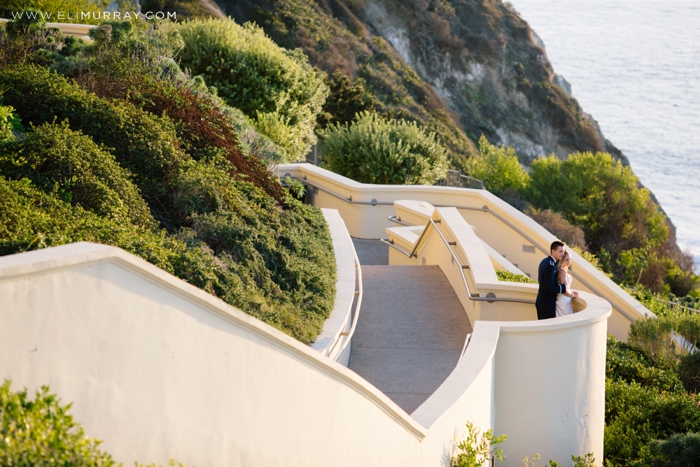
[[550, 287]]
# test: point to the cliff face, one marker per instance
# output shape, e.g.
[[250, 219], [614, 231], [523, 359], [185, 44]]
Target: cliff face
[[463, 67]]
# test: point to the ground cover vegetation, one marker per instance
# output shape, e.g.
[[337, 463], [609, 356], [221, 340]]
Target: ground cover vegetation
[[118, 146], [652, 402]]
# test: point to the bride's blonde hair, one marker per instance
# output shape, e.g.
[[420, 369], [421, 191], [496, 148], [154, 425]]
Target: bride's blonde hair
[[561, 264]]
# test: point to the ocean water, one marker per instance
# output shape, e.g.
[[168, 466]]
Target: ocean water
[[634, 65]]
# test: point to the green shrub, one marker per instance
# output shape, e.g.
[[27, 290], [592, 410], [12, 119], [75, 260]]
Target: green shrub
[[33, 219], [635, 415], [628, 364], [555, 223], [654, 337], [276, 88], [475, 450], [142, 143], [375, 150], [278, 267], [73, 168], [680, 450], [345, 100], [41, 432], [601, 195], [498, 168], [508, 276], [9, 122]]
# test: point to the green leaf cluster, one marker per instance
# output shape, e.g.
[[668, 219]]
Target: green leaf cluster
[[498, 168], [41, 432], [507, 276], [646, 400], [374, 150], [276, 88], [475, 450], [9, 122]]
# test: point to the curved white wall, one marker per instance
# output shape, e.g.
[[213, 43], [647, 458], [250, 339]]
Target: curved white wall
[[160, 369]]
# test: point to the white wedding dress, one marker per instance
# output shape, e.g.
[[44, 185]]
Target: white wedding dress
[[563, 302]]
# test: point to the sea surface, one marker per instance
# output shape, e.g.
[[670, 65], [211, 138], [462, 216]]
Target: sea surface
[[634, 65]]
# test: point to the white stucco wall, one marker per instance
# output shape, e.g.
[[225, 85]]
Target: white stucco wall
[[160, 369], [331, 342]]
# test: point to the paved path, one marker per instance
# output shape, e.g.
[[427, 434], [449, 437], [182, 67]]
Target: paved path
[[410, 332]]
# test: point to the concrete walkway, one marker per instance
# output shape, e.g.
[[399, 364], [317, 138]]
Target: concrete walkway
[[410, 332]]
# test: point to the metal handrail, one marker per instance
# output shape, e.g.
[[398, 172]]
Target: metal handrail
[[374, 202], [356, 312], [461, 177], [490, 297]]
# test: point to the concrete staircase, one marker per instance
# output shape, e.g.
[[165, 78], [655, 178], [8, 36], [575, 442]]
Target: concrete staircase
[[411, 329]]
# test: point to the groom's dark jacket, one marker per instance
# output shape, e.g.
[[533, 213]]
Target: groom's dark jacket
[[550, 287]]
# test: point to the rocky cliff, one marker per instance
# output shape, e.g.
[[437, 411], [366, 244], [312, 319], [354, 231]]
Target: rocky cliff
[[462, 67]]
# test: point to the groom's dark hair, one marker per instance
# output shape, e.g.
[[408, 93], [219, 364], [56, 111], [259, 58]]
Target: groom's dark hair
[[555, 244]]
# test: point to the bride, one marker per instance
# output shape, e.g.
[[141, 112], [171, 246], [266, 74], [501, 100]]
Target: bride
[[564, 300]]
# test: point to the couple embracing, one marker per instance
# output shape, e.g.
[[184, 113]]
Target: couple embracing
[[555, 294]]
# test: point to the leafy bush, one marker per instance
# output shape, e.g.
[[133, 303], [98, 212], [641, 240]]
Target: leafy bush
[[345, 100], [142, 143], [374, 150], [508, 276], [680, 450], [635, 415], [555, 223], [41, 432], [9, 122], [276, 88], [628, 364], [659, 338], [601, 195], [73, 168], [475, 450], [498, 168], [645, 401], [654, 337]]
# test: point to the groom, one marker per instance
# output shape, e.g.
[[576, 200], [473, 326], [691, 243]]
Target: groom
[[550, 287]]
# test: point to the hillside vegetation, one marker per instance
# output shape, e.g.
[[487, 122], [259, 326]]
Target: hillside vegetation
[[117, 146]]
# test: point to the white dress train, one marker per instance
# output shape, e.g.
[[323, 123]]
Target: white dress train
[[564, 306]]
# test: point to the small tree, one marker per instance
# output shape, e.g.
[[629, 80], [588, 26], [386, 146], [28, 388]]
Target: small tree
[[375, 150], [498, 168], [476, 450]]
